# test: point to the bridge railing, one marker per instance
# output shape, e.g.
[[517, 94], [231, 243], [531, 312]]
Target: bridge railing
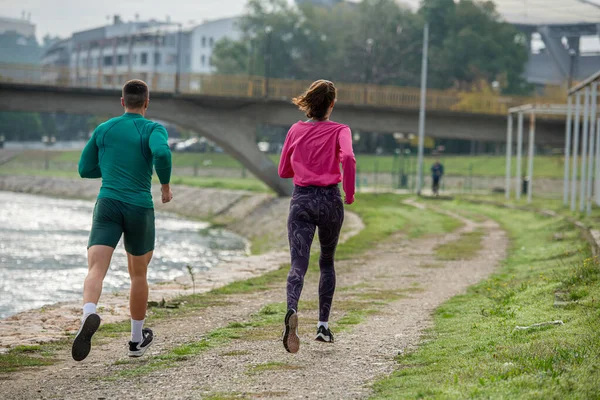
[[259, 87]]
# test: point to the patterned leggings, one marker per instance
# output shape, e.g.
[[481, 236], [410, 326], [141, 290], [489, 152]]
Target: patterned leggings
[[313, 207]]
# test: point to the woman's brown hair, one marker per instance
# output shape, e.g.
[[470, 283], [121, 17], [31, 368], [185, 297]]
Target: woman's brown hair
[[317, 99]]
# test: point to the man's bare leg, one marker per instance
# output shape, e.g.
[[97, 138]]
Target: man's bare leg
[[99, 257], [138, 302], [138, 299], [98, 263]]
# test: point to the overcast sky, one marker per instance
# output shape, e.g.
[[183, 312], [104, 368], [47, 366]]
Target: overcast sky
[[63, 17]]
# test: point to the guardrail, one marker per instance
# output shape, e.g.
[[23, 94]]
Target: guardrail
[[260, 87]]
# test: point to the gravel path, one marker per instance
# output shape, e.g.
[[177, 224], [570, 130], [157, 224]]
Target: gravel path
[[345, 369]]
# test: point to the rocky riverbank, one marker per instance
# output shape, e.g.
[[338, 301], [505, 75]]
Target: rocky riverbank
[[258, 217]]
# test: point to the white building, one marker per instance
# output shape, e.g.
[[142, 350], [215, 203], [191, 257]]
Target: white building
[[110, 55], [21, 26], [203, 39]]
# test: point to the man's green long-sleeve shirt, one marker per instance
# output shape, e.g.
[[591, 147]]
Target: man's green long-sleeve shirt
[[122, 151]]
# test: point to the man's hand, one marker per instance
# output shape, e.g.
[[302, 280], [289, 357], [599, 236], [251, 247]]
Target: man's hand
[[167, 194]]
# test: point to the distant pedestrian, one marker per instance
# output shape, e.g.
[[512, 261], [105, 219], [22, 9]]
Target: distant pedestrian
[[122, 151], [312, 154], [437, 171]]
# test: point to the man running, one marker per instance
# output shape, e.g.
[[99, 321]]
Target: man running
[[122, 152], [312, 154]]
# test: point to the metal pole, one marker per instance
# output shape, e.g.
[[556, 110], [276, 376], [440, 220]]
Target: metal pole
[[589, 192], [519, 153], [597, 185], [178, 72], [567, 153], [575, 151], [267, 59], [584, 149], [509, 129], [530, 156], [422, 108]]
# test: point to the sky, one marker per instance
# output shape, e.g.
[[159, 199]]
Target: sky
[[63, 17]]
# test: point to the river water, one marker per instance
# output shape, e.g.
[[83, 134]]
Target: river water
[[43, 250]]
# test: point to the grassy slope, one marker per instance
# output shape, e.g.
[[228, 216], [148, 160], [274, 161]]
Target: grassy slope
[[474, 350], [545, 166]]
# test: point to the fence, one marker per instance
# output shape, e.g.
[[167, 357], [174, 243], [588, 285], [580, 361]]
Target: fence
[[375, 173], [260, 87]]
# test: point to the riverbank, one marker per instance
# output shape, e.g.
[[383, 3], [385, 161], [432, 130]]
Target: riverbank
[[259, 217]]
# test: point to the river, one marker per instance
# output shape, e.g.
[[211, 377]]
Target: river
[[43, 244]]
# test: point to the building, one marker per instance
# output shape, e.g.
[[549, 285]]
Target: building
[[204, 37], [22, 27], [18, 46], [55, 63], [164, 54]]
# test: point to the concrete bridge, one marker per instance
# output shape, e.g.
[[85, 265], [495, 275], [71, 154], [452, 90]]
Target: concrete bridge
[[231, 121]]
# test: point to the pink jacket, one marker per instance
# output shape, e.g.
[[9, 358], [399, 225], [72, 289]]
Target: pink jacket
[[312, 154]]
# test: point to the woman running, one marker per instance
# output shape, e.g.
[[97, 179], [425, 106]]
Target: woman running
[[312, 154]]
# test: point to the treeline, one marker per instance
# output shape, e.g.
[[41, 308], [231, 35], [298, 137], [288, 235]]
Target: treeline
[[21, 126], [378, 42]]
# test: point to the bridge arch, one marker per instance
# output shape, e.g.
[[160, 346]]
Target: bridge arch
[[231, 130]]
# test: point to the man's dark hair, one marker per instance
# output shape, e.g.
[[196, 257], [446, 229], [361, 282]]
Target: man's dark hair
[[135, 93]]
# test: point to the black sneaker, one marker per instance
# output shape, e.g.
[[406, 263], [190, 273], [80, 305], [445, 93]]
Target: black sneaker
[[83, 340], [324, 335], [137, 349], [291, 341]]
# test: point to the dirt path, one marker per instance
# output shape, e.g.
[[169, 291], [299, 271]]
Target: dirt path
[[256, 365]]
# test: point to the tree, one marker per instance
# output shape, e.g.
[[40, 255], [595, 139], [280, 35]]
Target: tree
[[379, 42], [21, 126], [478, 47], [231, 57]]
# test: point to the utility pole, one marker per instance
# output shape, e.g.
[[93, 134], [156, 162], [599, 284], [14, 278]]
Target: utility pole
[[422, 109], [178, 73], [267, 59]]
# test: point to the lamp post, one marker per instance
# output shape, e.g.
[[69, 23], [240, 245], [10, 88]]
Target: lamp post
[[368, 68], [422, 108], [267, 58], [572, 55], [155, 60], [178, 71]]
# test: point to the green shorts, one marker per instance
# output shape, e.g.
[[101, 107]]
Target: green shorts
[[113, 218]]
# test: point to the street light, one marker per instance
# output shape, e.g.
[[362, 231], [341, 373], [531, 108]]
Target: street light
[[572, 55], [178, 72], [370, 43], [267, 59]]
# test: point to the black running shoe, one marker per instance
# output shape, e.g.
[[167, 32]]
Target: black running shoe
[[83, 340], [291, 341], [137, 349], [324, 335]]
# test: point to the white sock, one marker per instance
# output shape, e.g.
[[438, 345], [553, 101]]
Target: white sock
[[321, 323], [88, 308], [136, 330]]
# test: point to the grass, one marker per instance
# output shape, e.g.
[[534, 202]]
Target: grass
[[474, 351], [465, 247], [27, 356], [546, 166], [552, 204]]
